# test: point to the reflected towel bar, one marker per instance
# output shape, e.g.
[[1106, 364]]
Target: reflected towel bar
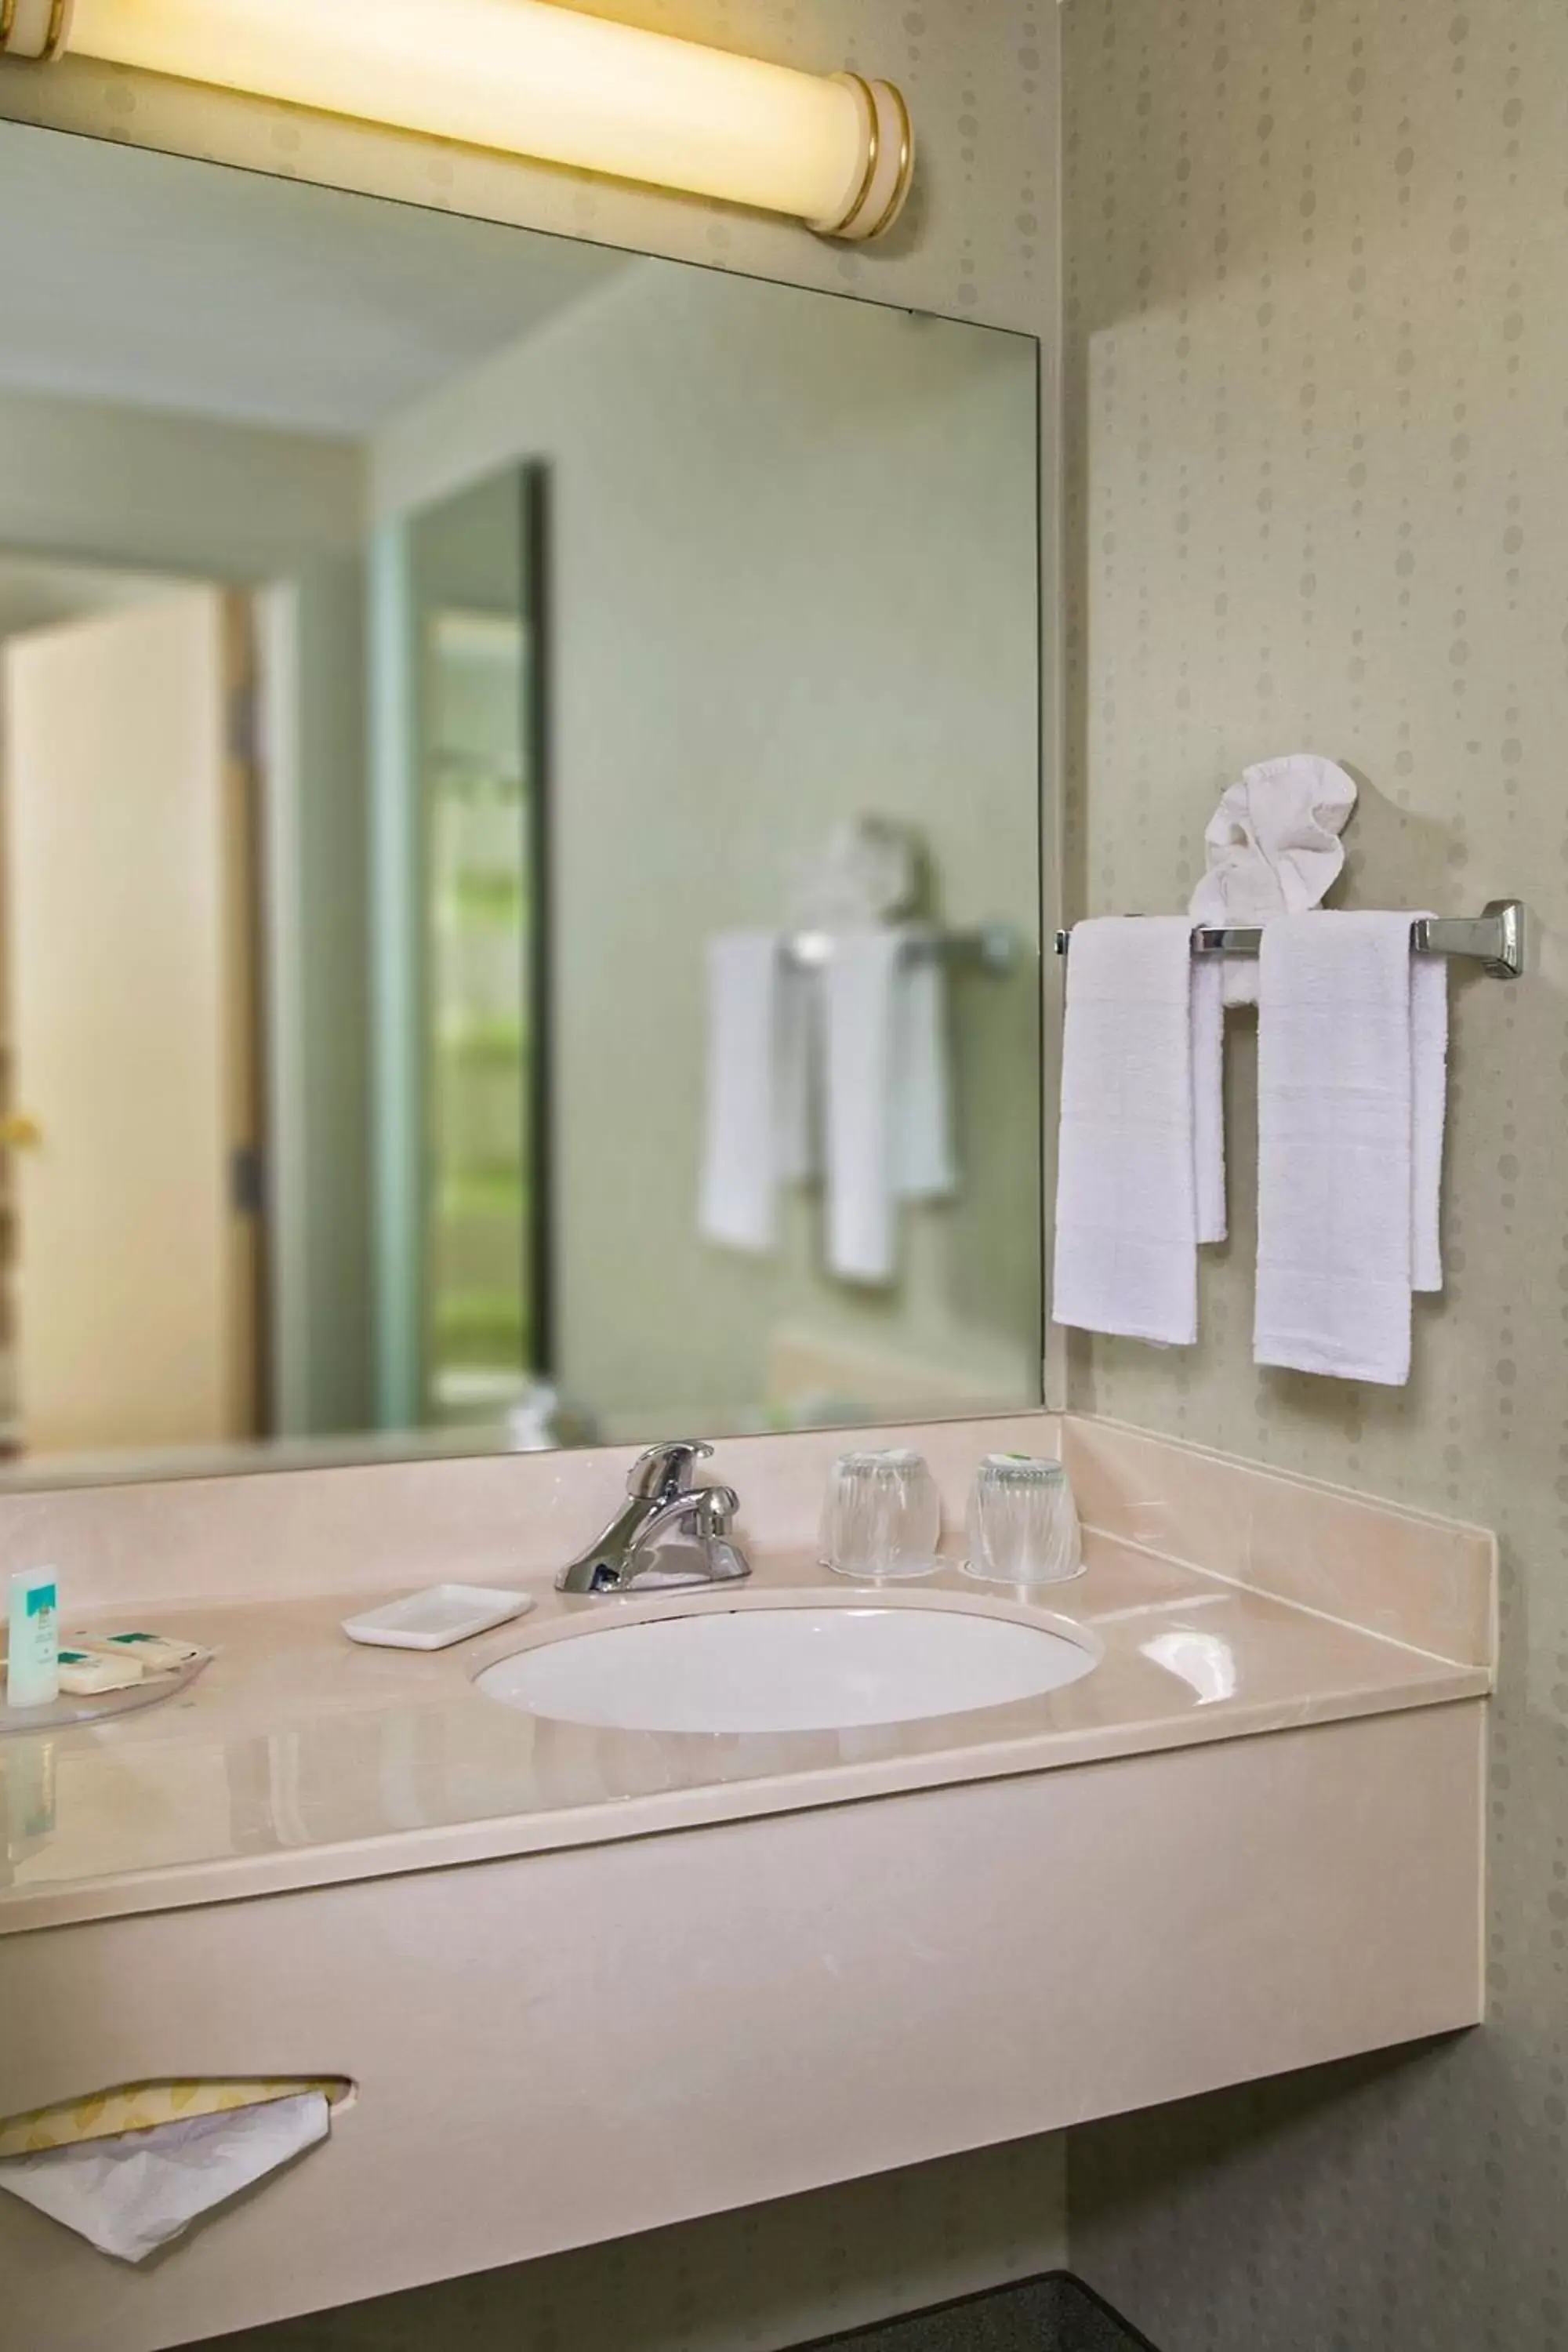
[[995, 948], [1496, 938]]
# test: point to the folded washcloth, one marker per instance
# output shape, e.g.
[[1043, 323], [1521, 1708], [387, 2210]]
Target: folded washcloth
[[888, 1114], [1351, 1049], [1141, 1181], [1273, 848], [758, 1128]]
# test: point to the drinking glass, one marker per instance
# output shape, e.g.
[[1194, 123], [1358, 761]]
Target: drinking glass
[[882, 1516], [1023, 1523]]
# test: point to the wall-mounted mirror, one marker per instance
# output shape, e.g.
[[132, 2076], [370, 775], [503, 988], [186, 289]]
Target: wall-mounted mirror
[[521, 838]]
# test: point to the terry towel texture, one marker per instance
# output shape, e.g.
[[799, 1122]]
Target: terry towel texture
[[889, 1135], [867, 1040], [1353, 1039], [758, 1115], [1141, 1181]]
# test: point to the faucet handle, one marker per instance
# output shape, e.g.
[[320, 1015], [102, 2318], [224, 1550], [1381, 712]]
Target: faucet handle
[[666, 1471], [714, 1513]]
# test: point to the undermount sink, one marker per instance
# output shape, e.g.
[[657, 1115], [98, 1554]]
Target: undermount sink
[[788, 1669]]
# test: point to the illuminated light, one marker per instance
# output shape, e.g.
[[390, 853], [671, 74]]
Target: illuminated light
[[834, 151]]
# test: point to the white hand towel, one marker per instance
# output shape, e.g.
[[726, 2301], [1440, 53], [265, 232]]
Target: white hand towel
[[1352, 1078], [130, 2195], [889, 1115], [924, 1165], [1141, 1181], [1273, 848], [758, 1125], [1428, 1114]]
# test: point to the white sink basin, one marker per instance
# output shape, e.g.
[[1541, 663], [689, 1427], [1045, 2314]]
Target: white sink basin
[[788, 1669]]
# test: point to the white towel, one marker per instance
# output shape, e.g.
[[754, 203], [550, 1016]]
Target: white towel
[[1141, 1181], [1351, 1074], [758, 1127], [889, 1112], [1272, 847]]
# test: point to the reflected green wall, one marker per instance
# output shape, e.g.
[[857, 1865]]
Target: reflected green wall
[[794, 579]]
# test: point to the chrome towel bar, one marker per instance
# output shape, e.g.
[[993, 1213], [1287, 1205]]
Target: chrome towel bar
[[995, 948], [1497, 938]]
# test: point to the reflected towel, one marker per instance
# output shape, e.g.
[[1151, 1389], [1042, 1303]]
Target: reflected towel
[[1352, 1083], [889, 1113], [1140, 1180], [758, 1130]]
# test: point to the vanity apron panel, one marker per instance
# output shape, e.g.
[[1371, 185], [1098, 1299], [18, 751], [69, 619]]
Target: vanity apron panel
[[569, 2047]]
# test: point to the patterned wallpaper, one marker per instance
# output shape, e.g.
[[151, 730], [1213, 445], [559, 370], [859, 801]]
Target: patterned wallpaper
[[977, 241], [1317, 291]]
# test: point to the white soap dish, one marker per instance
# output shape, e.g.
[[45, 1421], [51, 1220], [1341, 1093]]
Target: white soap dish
[[436, 1618]]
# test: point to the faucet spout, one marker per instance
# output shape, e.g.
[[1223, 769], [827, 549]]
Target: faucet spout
[[668, 1524]]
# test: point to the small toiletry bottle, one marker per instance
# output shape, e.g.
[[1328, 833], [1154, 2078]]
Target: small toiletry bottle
[[33, 1660]]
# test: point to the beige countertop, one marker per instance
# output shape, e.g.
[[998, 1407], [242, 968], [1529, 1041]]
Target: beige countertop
[[299, 1759]]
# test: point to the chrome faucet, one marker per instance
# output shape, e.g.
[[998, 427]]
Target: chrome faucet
[[668, 1528]]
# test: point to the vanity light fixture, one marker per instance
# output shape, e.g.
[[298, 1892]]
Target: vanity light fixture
[[835, 151]]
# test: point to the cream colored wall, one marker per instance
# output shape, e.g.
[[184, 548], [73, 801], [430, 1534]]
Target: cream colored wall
[[1319, 498], [792, 576], [977, 242]]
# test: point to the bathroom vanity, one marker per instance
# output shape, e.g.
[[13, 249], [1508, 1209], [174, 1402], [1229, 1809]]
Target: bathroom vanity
[[588, 1980], [560, 624]]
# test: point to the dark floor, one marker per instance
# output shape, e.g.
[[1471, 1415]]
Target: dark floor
[[1045, 2315], [1041, 2315], [1053, 2313]]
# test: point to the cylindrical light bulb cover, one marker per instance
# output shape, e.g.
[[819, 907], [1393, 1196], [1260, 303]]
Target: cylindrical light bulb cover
[[532, 79]]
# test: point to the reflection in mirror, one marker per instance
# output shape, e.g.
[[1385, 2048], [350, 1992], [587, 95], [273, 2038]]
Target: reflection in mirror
[[521, 838]]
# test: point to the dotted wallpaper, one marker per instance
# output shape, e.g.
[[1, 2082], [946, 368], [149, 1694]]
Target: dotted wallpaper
[[1317, 369], [978, 241]]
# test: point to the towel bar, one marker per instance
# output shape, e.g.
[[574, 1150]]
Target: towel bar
[[1496, 938], [995, 948]]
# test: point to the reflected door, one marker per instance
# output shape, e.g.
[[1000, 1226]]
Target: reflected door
[[460, 906], [481, 1297], [127, 943]]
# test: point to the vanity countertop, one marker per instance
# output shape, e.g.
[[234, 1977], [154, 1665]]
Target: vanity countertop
[[299, 1759]]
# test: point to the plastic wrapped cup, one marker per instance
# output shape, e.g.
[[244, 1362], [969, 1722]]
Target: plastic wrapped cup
[[1023, 1523], [882, 1516]]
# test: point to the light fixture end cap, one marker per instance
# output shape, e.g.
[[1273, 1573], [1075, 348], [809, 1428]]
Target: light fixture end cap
[[886, 164]]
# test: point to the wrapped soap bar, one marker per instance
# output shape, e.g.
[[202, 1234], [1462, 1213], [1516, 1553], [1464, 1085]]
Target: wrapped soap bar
[[156, 1653], [85, 1673]]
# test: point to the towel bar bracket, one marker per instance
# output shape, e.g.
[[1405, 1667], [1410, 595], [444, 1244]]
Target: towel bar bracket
[[1497, 938]]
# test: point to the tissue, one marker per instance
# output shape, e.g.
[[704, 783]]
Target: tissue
[[131, 2195], [1273, 848]]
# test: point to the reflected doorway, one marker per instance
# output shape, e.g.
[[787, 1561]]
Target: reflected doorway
[[131, 1227], [464, 1301]]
